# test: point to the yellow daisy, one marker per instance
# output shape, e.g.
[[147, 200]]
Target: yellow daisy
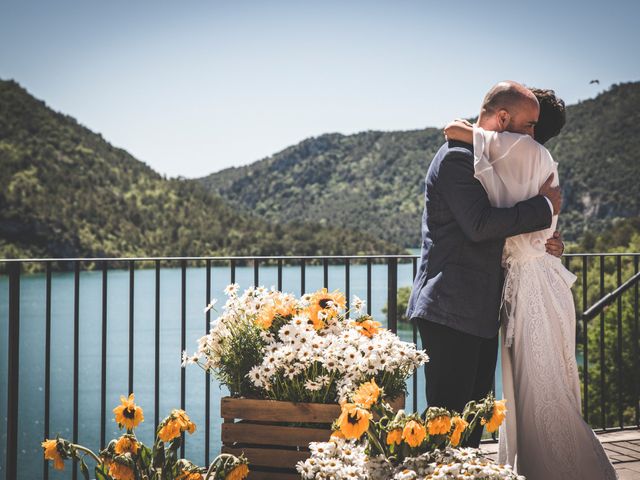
[[367, 394], [51, 452], [176, 423], [353, 421], [499, 412], [414, 433], [394, 437], [239, 472], [128, 415], [459, 425]]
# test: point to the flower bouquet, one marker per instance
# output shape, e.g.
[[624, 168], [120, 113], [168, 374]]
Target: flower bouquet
[[287, 362], [371, 441], [272, 345], [126, 458]]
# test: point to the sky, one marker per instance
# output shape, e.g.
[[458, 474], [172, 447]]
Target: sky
[[192, 87]]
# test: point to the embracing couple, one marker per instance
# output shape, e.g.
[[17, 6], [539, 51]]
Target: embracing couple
[[490, 258]]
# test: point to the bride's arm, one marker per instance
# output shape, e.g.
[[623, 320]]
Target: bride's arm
[[460, 130]]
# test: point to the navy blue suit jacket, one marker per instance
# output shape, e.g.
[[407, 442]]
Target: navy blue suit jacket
[[459, 282]]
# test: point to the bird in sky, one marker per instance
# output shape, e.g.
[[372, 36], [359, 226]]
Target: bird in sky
[[594, 81]]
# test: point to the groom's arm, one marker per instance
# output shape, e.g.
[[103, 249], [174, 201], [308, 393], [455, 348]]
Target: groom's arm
[[469, 204]]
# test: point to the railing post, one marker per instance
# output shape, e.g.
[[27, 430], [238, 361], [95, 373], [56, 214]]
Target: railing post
[[392, 294], [13, 371]]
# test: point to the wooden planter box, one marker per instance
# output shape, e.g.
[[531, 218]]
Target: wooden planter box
[[261, 430]]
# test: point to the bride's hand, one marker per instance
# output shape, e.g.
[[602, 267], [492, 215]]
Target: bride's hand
[[460, 130]]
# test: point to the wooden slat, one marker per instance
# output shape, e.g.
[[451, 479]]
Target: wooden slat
[[269, 457], [245, 432], [275, 411], [253, 475]]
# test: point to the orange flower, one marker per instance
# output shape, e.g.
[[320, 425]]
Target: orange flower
[[128, 415], [368, 327], [367, 394], [414, 433], [51, 452], [439, 425], [394, 437], [459, 426], [127, 444], [499, 412], [337, 434], [190, 476], [176, 423], [239, 472], [265, 317], [325, 304], [353, 421], [324, 299], [118, 471]]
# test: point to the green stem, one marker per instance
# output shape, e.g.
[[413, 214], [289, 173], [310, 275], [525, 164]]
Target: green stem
[[87, 451], [222, 456]]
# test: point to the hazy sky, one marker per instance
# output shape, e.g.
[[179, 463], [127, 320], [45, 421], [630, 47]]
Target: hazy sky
[[192, 86]]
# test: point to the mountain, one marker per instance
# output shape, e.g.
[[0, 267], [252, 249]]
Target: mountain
[[373, 181], [66, 192]]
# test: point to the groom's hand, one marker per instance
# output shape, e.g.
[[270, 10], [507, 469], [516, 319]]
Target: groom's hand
[[554, 194], [554, 245]]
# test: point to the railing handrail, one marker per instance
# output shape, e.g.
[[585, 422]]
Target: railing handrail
[[268, 257], [224, 258], [609, 298]]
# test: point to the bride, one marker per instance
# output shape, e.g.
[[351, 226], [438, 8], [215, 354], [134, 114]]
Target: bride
[[544, 435]]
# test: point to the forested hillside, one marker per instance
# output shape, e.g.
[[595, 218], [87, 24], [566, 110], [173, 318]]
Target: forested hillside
[[66, 192], [373, 181]]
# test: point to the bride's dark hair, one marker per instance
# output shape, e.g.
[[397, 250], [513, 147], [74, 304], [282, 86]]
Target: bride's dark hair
[[552, 115]]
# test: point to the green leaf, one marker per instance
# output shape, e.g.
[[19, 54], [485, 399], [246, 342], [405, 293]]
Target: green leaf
[[84, 469], [101, 472]]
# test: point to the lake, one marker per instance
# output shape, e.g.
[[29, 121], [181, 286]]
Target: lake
[[32, 349]]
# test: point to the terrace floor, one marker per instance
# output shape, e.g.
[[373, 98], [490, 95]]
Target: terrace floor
[[622, 446]]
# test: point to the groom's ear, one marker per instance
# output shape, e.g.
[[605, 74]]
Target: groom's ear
[[504, 118]]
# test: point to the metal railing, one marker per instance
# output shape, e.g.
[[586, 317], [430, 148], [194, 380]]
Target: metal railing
[[591, 269]]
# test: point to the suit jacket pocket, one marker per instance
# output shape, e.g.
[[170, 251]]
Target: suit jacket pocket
[[458, 291]]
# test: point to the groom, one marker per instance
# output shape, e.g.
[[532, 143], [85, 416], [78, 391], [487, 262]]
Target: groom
[[457, 291]]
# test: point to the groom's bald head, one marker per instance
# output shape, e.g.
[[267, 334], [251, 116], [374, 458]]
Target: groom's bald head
[[509, 106]]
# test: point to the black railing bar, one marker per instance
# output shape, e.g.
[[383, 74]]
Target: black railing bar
[[585, 340], [325, 268], [207, 386], [156, 380], [76, 358], [608, 430], [347, 284], [369, 286], [47, 362], [619, 352], [131, 330], [279, 276], [103, 360], [13, 367], [392, 295], [226, 258], [603, 392], [609, 298], [183, 344], [415, 341], [256, 272], [636, 346], [303, 278], [232, 267]]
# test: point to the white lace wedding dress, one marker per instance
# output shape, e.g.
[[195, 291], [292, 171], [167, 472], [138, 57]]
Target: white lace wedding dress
[[544, 435]]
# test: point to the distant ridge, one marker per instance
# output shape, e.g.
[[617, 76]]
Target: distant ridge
[[373, 181], [66, 192]]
